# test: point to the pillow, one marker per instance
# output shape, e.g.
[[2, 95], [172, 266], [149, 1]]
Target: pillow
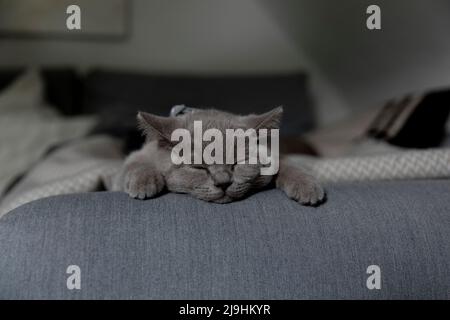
[[62, 87], [413, 121], [122, 94], [29, 127], [23, 94]]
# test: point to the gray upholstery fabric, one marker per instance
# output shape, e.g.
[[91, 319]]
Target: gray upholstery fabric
[[267, 246]]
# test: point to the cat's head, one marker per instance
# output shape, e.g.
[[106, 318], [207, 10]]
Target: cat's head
[[234, 175]]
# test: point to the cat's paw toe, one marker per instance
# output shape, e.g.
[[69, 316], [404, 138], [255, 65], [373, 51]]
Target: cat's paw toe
[[141, 183], [307, 193], [208, 192]]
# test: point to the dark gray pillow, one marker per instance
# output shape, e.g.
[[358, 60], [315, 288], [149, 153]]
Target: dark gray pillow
[[123, 94]]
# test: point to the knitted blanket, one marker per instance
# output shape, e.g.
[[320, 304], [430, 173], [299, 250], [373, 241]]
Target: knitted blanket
[[83, 166], [80, 166], [414, 164]]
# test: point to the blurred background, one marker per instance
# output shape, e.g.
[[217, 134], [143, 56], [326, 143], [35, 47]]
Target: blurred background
[[349, 66]]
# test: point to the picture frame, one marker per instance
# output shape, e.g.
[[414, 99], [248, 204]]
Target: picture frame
[[99, 19]]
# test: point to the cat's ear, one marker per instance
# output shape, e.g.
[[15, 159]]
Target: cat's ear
[[268, 120], [157, 127]]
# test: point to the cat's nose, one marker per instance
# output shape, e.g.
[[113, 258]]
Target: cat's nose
[[223, 185], [222, 179]]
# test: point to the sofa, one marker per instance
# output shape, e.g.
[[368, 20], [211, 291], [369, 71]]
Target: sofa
[[263, 247]]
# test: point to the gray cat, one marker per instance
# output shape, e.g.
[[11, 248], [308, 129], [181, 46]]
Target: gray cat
[[147, 172]]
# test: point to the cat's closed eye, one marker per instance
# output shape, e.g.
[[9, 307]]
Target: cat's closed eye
[[199, 167]]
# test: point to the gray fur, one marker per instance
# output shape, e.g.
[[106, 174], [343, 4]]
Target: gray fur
[[149, 171]]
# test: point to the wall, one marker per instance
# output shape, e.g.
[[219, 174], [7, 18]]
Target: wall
[[201, 36], [176, 35], [351, 67], [411, 52]]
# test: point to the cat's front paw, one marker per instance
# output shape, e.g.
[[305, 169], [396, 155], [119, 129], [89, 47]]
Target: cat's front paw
[[306, 191], [143, 182]]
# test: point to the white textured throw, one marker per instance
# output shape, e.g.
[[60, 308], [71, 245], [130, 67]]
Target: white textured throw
[[29, 127], [81, 166], [417, 164]]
